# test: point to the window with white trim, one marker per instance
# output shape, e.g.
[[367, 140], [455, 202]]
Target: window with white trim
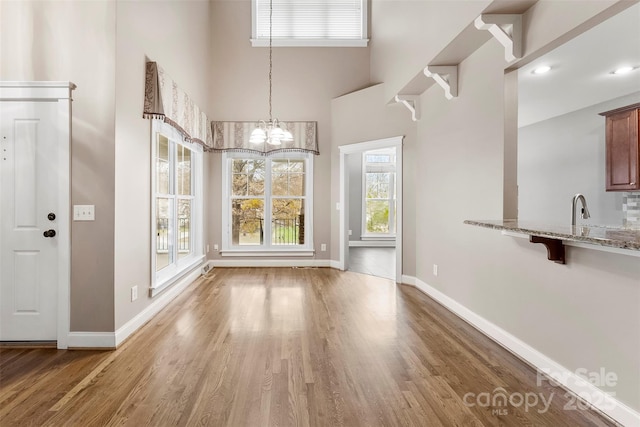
[[176, 205], [310, 23], [379, 193], [267, 203]]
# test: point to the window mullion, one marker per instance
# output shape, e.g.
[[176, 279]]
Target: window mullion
[[173, 156], [267, 204], [391, 199]]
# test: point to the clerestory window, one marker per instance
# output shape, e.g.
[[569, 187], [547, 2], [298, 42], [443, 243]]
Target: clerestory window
[[310, 23]]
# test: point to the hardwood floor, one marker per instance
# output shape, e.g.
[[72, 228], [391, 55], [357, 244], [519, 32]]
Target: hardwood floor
[[379, 262], [280, 347]]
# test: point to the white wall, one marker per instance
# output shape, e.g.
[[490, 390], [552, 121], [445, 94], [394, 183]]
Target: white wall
[[365, 116], [177, 36], [585, 314], [102, 46], [75, 41], [305, 80], [565, 155], [407, 34]]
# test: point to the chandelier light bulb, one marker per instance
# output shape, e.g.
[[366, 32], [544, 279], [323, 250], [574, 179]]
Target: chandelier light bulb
[[622, 70], [276, 132], [258, 136]]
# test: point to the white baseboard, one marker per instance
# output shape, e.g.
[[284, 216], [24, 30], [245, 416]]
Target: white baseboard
[[271, 262], [208, 265], [568, 379], [336, 264], [88, 340], [408, 280], [372, 243], [159, 302]]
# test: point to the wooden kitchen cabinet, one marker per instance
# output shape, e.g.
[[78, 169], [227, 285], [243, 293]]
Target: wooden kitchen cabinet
[[623, 148]]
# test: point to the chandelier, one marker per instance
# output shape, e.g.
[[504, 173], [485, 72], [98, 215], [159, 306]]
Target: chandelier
[[272, 132]]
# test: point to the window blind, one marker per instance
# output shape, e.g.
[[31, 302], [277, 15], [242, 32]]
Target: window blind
[[311, 19]]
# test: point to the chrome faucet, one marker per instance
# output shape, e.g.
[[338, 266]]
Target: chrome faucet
[[574, 205]]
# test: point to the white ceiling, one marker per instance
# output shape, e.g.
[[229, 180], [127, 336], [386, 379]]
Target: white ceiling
[[580, 73]]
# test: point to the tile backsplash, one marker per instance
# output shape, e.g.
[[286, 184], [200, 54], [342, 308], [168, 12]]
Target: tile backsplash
[[631, 210]]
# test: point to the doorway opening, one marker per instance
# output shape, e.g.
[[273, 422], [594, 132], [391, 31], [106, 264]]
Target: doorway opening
[[371, 208]]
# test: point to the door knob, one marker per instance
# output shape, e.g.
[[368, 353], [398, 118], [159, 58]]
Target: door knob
[[51, 216], [49, 233]]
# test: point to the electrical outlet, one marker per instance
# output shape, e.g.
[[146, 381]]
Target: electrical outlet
[[84, 212], [435, 269], [215, 246], [207, 248], [350, 232], [134, 293], [323, 247]]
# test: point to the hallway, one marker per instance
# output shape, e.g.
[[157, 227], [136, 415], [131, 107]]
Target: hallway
[[380, 262]]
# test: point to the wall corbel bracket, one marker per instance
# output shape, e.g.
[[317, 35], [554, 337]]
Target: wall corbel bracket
[[507, 29], [446, 76], [412, 103], [555, 248]]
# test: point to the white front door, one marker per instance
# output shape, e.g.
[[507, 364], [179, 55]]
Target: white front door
[[29, 215]]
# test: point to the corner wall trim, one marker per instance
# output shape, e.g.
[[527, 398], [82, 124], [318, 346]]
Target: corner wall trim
[[408, 280], [336, 264], [597, 398], [88, 340]]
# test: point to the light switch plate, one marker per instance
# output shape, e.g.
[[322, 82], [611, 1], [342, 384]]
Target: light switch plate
[[84, 212]]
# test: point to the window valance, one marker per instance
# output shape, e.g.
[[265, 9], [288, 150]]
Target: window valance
[[234, 136], [164, 100]]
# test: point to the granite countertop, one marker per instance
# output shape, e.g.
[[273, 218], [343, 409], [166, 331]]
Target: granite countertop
[[616, 237]]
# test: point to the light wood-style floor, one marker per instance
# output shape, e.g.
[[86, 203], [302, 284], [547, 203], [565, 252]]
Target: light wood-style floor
[[284, 347], [379, 262]]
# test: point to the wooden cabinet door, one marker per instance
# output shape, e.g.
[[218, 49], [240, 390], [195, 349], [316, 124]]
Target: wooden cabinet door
[[623, 169]]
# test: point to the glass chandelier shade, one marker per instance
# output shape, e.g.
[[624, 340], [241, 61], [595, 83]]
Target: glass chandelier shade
[[272, 132]]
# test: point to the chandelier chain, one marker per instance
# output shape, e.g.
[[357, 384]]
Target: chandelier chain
[[274, 132], [270, 56]]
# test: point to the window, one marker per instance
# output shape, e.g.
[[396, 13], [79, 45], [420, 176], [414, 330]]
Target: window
[[379, 193], [176, 205], [310, 23], [267, 206]]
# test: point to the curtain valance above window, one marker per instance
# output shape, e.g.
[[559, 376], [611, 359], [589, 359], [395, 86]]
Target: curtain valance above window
[[164, 100], [234, 136]]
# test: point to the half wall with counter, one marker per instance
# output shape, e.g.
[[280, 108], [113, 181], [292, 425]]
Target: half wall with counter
[[621, 240]]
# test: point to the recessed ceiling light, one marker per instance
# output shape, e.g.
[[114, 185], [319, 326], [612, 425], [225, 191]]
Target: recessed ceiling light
[[622, 70], [542, 69]]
